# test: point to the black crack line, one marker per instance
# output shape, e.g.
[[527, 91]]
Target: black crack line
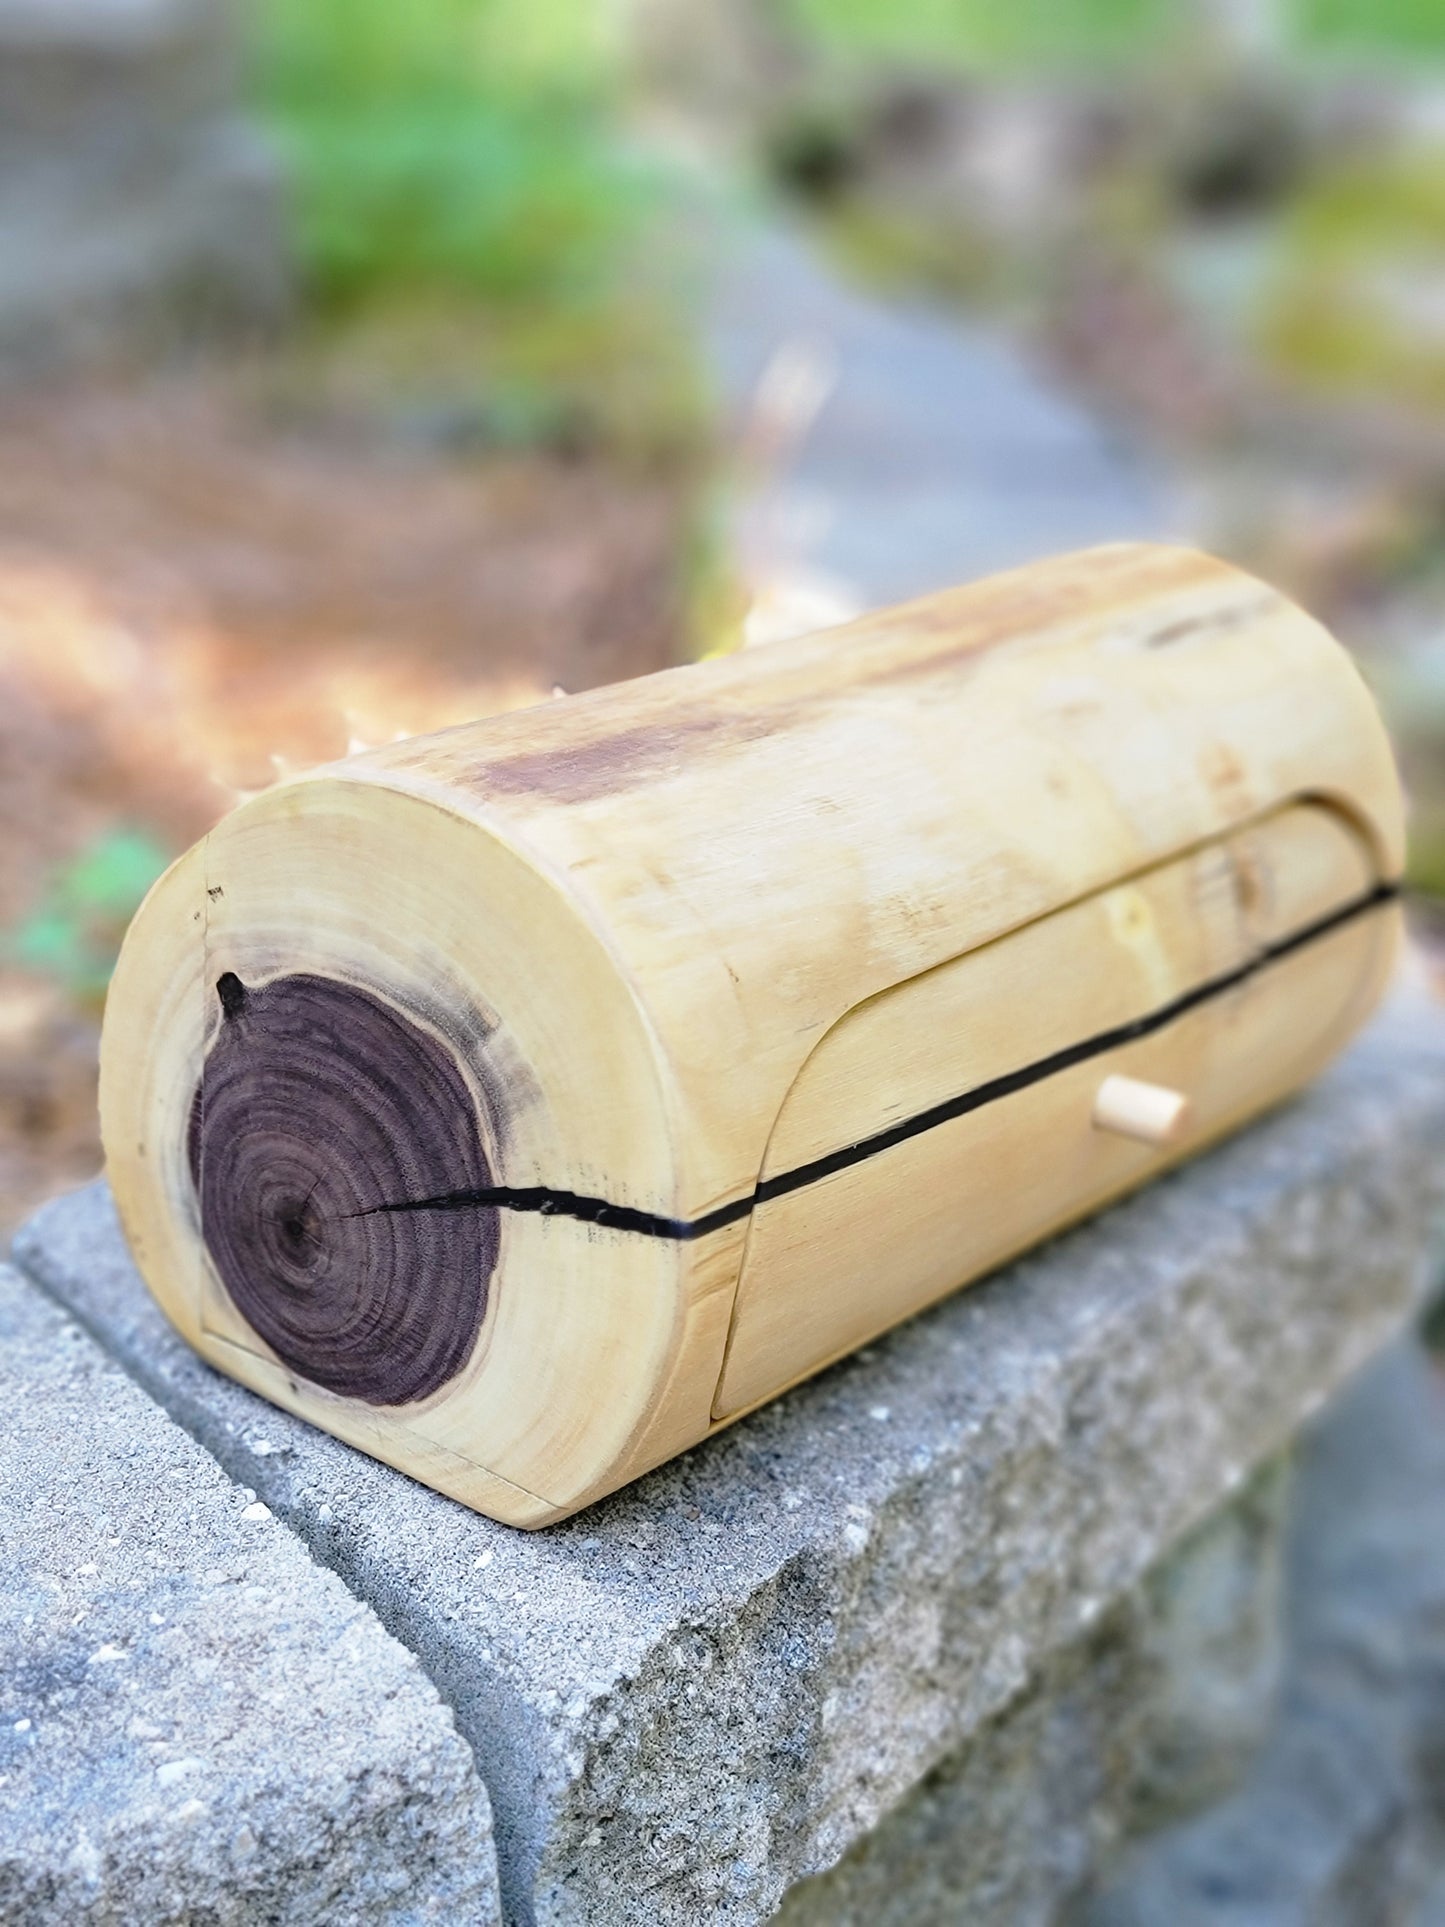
[[651, 1224]]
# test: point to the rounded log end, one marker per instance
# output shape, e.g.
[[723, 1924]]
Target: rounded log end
[[366, 1071]]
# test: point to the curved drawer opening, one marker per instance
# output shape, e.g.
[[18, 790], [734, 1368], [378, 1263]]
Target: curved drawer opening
[[944, 1125]]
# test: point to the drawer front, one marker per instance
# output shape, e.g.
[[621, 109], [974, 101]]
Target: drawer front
[[945, 1125]]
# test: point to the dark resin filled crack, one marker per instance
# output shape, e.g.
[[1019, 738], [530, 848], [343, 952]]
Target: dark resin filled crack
[[653, 1225]]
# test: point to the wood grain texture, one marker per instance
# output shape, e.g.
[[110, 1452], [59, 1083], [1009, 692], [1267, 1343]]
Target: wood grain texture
[[467, 1096]]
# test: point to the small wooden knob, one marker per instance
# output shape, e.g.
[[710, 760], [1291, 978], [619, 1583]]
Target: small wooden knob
[[1150, 1112]]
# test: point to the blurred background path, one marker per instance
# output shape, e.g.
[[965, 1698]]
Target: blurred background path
[[894, 449]]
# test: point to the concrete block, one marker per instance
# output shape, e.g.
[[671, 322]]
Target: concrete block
[[713, 1685], [1157, 1710], [196, 1722], [1343, 1820]]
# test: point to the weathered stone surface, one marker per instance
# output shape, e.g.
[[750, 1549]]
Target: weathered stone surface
[[1153, 1713], [1343, 1821], [712, 1685], [196, 1722], [136, 202]]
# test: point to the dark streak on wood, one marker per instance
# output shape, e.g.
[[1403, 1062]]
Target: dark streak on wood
[[316, 1101], [975, 621], [232, 993], [1211, 622], [579, 771]]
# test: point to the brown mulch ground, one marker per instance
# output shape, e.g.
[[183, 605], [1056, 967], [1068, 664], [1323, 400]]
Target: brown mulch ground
[[195, 592]]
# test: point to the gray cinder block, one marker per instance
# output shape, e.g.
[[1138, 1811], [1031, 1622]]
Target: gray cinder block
[[1158, 1709], [1340, 1823], [196, 1722], [713, 1685]]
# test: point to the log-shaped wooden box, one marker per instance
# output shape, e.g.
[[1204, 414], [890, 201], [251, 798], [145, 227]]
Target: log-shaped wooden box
[[524, 1102]]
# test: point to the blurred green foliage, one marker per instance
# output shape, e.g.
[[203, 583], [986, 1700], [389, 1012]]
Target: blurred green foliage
[[1426, 866], [74, 934], [1363, 26], [895, 250], [460, 170], [457, 145], [1356, 305], [981, 33], [1033, 33]]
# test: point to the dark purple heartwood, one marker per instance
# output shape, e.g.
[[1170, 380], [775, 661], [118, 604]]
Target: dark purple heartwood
[[318, 1103]]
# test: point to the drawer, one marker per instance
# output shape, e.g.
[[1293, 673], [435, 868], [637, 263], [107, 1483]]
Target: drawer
[[941, 1127]]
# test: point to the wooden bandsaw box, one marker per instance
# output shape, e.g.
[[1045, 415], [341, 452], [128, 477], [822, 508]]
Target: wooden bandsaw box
[[524, 1102]]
